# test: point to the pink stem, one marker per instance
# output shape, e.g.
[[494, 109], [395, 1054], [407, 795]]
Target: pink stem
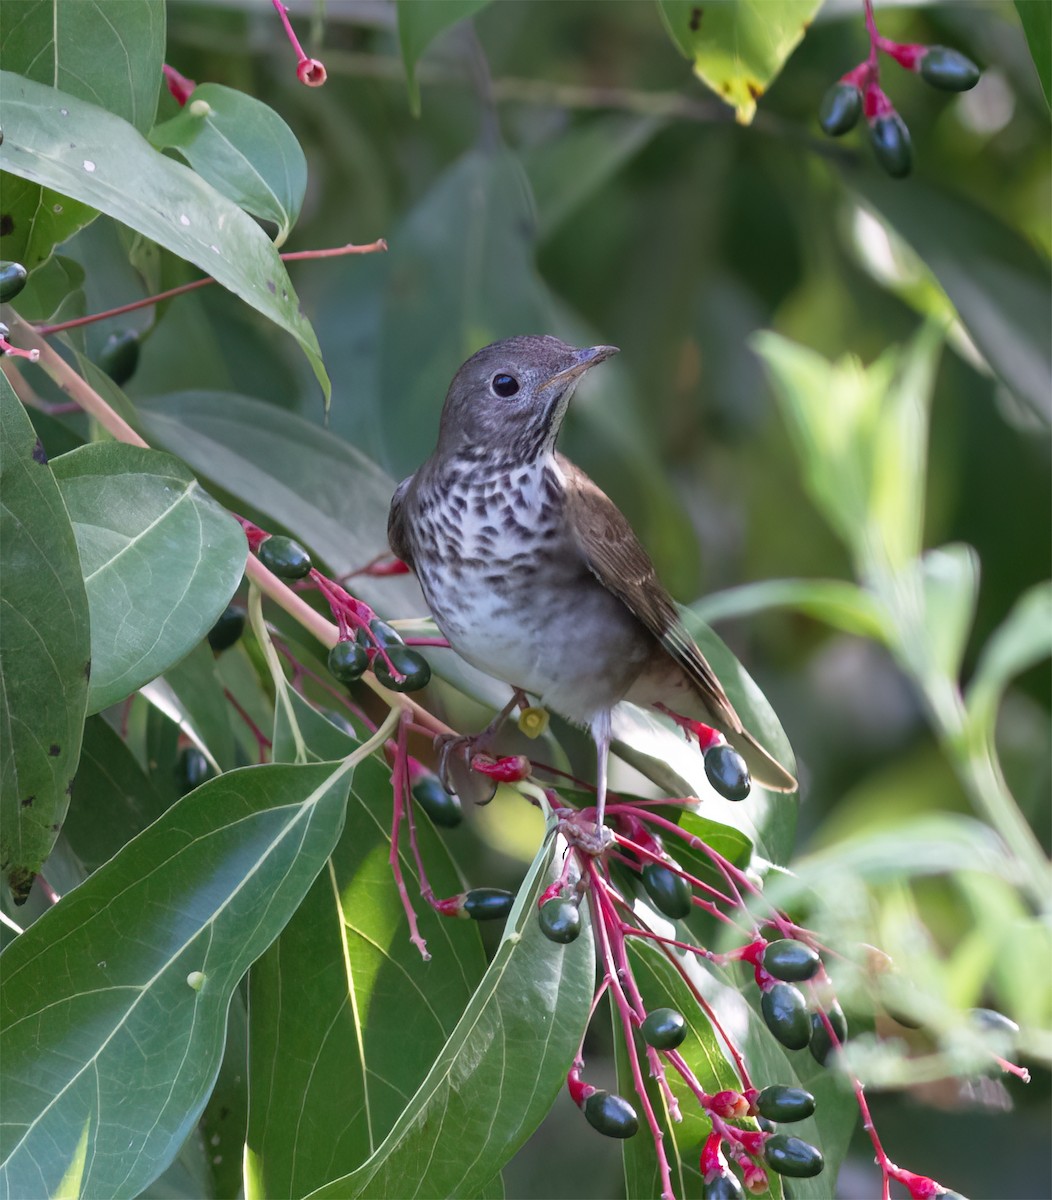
[[398, 785]]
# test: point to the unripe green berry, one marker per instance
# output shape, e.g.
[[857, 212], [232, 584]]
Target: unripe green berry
[[13, 278], [790, 960], [384, 634], [670, 892], [612, 1115], [560, 920], [949, 69], [840, 109], [891, 144], [722, 1187], [191, 769], [664, 1029], [286, 558], [821, 1044], [119, 355], [792, 1156], [226, 631], [785, 1014]]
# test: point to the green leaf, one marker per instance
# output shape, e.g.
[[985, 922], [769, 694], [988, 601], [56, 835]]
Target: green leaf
[[996, 279], [108, 52], [449, 295], [160, 560], [113, 798], [950, 585], [497, 1075], [205, 712], [1023, 639], [243, 149], [114, 1003], [861, 437], [54, 291], [1037, 25], [44, 650], [419, 23], [331, 999], [738, 46], [88, 154], [842, 605]]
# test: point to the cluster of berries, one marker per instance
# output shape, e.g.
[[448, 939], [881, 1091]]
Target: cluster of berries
[[858, 94]]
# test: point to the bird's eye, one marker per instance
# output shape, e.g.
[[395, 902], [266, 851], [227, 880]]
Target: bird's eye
[[505, 385]]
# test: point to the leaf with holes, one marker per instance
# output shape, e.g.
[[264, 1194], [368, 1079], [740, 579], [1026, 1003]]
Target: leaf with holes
[[44, 650]]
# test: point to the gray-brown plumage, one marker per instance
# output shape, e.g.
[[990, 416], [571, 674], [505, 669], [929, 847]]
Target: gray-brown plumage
[[533, 574]]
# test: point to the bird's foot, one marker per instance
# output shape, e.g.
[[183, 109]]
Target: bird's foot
[[585, 836], [457, 753]]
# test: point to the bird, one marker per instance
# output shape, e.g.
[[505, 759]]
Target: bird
[[535, 576]]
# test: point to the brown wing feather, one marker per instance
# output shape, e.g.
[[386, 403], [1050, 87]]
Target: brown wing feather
[[397, 534], [618, 560]]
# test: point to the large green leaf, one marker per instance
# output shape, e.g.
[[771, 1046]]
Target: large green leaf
[[160, 560], [842, 605], [108, 52], [244, 150], [114, 1003], [331, 999], [997, 280], [498, 1073], [87, 153], [44, 650], [419, 23], [738, 46]]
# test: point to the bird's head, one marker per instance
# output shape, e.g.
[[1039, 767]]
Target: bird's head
[[510, 398]]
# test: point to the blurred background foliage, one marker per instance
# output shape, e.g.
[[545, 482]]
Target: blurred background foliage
[[567, 174]]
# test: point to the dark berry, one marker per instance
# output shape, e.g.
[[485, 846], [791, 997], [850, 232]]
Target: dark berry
[[560, 920], [781, 1103], [722, 1187], [840, 109], [891, 144], [790, 960], [191, 769], [413, 673], [612, 1115], [785, 1013], [286, 558], [664, 1029], [992, 1021], [383, 635], [488, 904], [725, 769], [670, 892], [347, 661], [792, 1156], [119, 355], [949, 69], [12, 280], [441, 806], [227, 630], [821, 1044]]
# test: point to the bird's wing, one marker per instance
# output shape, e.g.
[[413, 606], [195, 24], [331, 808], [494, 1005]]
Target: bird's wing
[[397, 533], [616, 557]]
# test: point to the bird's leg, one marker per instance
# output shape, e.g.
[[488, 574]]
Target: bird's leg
[[706, 735], [601, 736], [448, 744]]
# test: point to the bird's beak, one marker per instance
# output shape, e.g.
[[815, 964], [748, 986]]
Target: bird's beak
[[582, 360]]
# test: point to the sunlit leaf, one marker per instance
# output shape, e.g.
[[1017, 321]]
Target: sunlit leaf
[[835, 602], [1037, 25], [738, 46], [44, 650], [114, 1003], [160, 560]]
